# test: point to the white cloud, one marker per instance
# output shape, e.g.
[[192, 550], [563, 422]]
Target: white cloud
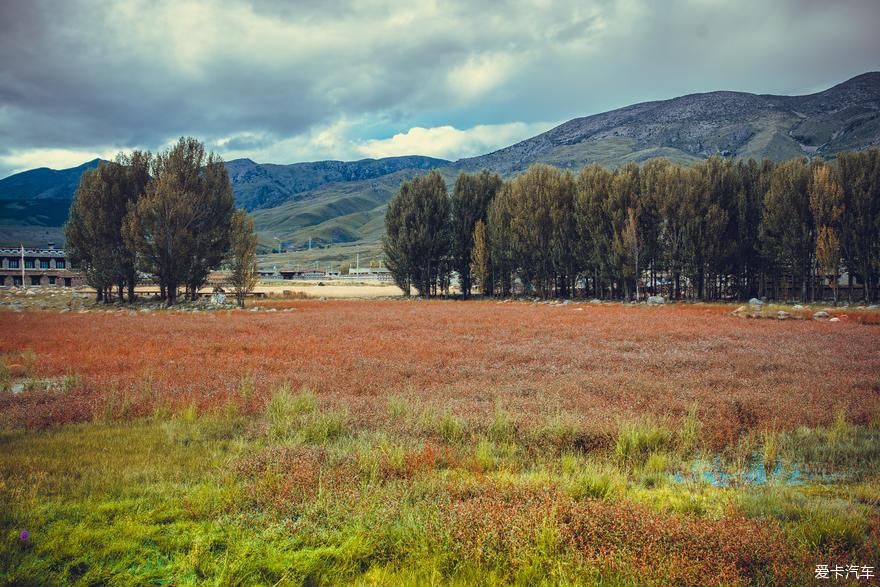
[[338, 141], [481, 74], [17, 161], [451, 143]]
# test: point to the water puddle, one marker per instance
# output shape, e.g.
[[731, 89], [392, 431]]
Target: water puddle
[[718, 474]]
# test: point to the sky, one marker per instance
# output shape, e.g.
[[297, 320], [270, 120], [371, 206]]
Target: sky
[[282, 82]]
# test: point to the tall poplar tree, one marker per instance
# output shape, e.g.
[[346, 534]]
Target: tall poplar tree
[[180, 227], [469, 204]]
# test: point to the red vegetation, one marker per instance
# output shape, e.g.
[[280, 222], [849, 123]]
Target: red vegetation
[[592, 363], [621, 537]]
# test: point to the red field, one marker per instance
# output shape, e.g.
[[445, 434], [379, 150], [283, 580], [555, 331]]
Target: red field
[[597, 364]]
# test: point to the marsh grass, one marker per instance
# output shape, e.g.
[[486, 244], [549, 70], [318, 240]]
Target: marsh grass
[[638, 440], [5, 377], [294, 495], [450, 427], [818, 524], [298, 417]]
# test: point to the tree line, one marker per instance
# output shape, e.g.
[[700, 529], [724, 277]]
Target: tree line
[[717, 229], [169, 217]]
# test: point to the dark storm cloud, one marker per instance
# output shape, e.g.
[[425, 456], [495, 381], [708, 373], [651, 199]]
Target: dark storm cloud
[[318, 79]]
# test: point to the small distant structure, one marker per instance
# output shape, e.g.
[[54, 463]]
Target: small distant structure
[[37, 266], [302, 274], [379, 272]]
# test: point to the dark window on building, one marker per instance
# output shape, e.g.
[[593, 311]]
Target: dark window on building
[[13, 264], [59, 263], [35, 280], [66, 282], [51, 280], [29, 264], [2, 280], [44, 263], [16, 280]]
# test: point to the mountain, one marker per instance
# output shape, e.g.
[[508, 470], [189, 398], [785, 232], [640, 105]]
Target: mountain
[[267, 185], [694, 127], [343, 202], [39, 197], [44, 183]]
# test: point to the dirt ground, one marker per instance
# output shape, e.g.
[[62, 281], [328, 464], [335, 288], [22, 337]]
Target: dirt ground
[[337, 289]]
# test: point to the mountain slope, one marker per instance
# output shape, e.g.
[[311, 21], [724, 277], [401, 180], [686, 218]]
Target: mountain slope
[[845, 117], [44, 183], [266, 185]]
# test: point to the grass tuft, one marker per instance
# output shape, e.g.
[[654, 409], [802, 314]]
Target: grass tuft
[[636, 441]]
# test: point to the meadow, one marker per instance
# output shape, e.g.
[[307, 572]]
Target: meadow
[[442, 442]]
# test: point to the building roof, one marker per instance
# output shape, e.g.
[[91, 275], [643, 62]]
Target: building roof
[[32, 252]]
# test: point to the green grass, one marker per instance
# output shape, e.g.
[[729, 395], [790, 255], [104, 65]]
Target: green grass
[[300, 494]]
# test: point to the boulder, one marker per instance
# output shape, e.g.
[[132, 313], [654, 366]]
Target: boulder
[[782, 315], [755, 302], [656, 300], [835, 319], [797, 307], [821, 315]]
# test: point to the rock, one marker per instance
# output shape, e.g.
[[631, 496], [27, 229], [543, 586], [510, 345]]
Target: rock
[[17, 388], [782, 315], [578, 309], [797, 307], [835, 319], [595, 301], [821, 315], [652, 300], [755, 302]]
